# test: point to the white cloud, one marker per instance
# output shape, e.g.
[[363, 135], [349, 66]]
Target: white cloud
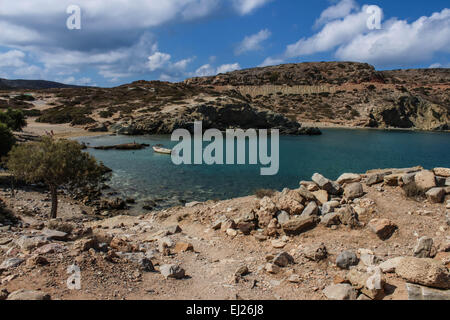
[[397, 43], [400, 42], [208, 70], [269, 61], [158, 60], [228, 68], [341, 9], [248, 6], [12, 58], [439, 65], [253, 42]]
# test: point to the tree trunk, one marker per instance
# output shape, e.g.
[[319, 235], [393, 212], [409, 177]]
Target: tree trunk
[[54, 193]]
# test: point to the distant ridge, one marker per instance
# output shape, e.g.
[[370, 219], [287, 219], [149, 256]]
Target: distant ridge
[[6, 84]]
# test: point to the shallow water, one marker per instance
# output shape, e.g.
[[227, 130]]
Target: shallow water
[[146, 175]]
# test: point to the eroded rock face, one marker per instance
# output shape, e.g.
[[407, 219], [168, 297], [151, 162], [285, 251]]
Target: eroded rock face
[[427, 272]]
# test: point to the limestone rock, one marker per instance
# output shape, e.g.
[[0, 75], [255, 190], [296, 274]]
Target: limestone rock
[[353, 191], [348, 178], [425, 180], [172, 271], [28, 295], [443, 172], [423, 248], [390, 265], [297, 226], [374, 179], [331, 219], [416, 292], [427, 272], [340, 292], [311, 210], [316, 252], [383, 228], [11, 263], [436, 195], [54, 235], [321, 196], [283, 217], [183, 247]]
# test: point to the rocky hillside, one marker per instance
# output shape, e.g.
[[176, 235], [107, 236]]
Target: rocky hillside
[[316, 94], [31, 84], [345, 93]]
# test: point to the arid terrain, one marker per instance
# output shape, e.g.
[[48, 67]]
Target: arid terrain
[[358, 238], [322, 94]]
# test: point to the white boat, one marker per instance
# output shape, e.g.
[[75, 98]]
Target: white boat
[[162, 150]]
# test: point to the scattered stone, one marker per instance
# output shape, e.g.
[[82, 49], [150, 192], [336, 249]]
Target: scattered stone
[[11, 263], [283, 259], [28, 243], [321, 196], [368, 258], [246, 227], [340, 292], [172, 271], [423, 248], [316, 252], [28, 295], [443, 172], [183, 247], [416, 292], [348, 178], [374, 179], [241, 271], [436, 195], [331, 219], [54, 235], [294, 278], [311, 210], [272, 268], [349, 217], [427, 272], [232, 233], [283, 217], [173, 229], [328, 207], [425, 180], [392, 179], [390, 265], [346, 259], [353, 191], [50, 248], [383, 228], [36, 260], [3, 294], [297, 226], [218, 223], [278, 244], [408, 178]]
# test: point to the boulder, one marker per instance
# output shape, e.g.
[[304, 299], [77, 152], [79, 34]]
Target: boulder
[[416, 292], [340, 292], [172, 271], [183, 247], [11, 263], [297, 226], [311, 210], [28, 295], [283, 217], [29, 243], [322, 182], [353, 191], [423, 248], [383, 228], [390, 265], [408, 178], [349, 217], [54, 235], [291, 203], [346, 259], [436, 195], [426, 272], [283, 259], [425, 180], [443, 172], [392, 179], [316, 252], [328, 207], [348, 178], [321, 196], [331, 219]]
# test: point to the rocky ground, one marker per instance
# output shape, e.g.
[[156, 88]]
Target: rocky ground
[[360, 237]]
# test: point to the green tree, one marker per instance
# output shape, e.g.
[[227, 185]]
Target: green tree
[[7, 140], [56, 163], [14, 119]]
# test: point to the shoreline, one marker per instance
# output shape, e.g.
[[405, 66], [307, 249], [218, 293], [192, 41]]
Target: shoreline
[[126, 256]]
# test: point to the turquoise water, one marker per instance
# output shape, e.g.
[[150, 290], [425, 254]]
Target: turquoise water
[[146, 175]]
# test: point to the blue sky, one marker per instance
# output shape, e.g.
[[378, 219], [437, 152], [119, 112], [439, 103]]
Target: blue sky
[[122, 41]]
